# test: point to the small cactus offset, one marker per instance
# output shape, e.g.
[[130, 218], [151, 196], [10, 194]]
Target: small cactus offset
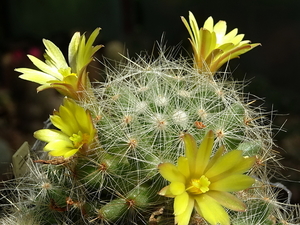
[[161, 141]]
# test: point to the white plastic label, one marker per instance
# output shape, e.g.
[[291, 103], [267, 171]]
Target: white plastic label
[[19, 160]]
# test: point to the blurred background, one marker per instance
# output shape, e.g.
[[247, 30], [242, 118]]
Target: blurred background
[[134, 26]]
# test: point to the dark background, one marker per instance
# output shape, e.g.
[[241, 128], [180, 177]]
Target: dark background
[[136, 25]]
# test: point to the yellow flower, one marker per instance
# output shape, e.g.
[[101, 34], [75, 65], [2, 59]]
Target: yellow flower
[[77, 131], [212, 46], [204, 183], [70, 80]]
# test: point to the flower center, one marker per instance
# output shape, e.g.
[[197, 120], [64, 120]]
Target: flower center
[[79, 139], [199, 186], [66, 72]]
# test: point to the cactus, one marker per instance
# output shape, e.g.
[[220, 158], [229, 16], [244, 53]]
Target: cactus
[[117, 144]]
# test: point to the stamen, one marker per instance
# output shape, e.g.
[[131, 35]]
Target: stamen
[[199, 186], [79, 139]]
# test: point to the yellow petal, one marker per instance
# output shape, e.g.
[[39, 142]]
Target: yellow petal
[[55, 54], [204, 153], [72, 80], [84, 118], [210, 59], [246, 42], [49, 135], [177, 188], [184, 218], [215, 158], [226, 47], [86, 51], [211, 210], [73, 50], [227, 200], [46, 68], [44, 87], [235, 52], [35, 75], [220, 30], [58, 145], [244, 165], [86, 124], [226, 162], [183, 166], [207, 44], [171, 173], [232, 183], [63, 88], [67, 113], [70, 153], [166, 192], [181, 203], [190, 150], [68, 121], [192, 39], [61, 124], [80, 56], [237, 39], [231, 36], [60, 152], [89, 43], [194, 28], [209, 24]]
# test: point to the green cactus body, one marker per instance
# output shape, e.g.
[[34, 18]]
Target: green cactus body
[[140, 113]]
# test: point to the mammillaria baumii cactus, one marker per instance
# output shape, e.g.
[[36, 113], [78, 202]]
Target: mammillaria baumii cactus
[[161, 141]]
